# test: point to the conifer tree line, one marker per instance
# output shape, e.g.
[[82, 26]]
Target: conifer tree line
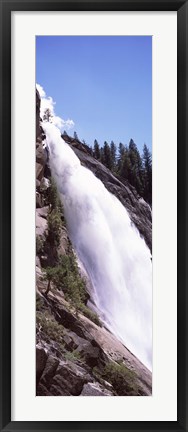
[[127, 163]]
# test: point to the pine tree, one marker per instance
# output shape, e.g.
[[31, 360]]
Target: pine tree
[[53, 196], [90, 150], [113, 150], [96, 150], [102, 158], [75, 135], [147, 166], [121, 151], [126, 168], [136, 178], [107, 155]]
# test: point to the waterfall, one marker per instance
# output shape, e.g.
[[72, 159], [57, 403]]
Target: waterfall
[[114, 255]]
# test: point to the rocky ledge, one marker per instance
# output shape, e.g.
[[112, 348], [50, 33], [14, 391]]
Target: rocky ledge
[[74, 356]]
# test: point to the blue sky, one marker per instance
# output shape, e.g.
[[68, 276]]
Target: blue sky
[[102, 83]]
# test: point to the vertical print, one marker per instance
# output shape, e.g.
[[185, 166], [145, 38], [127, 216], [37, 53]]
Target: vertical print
[[94, 216]]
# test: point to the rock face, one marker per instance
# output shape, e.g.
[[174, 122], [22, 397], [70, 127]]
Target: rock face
[[41, 220], [73, 350], [41, 155], [65, 378], [95, 389], [68, 367], [139, 211], [37, 114]]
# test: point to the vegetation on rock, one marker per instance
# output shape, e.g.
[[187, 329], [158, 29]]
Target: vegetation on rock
[[73, 356], [123, 380], [62, 270], [39, 245], [90, 314], [65, 276], [48, 325]]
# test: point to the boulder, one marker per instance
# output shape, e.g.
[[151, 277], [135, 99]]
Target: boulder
[[41, 159], [41, 223], [41, 359], [70, 377], [81, 340], [58, 390], [39, 200], [95, 389], [49, 371], [39, 171], [67, 319], [43, 212], [84, 347]]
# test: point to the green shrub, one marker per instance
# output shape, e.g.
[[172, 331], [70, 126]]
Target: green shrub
[[54, 228], [55, 221], [123, 380], [54, 199], [75, 290], [39, 245], [52, 238], [90, 314], [49, 326], [53, 194], [65, 276], [40, 303], [74, 286], [52, 274], [73, 356]]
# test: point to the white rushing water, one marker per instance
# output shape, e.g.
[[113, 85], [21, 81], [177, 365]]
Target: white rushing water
[[114, 255]]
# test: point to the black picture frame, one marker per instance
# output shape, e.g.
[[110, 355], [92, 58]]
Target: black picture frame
[[6, 7]]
